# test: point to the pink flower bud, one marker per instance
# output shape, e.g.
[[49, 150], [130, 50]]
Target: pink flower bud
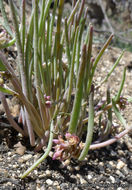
[[56, 141], [46, 97], [48, 104], [68, 135], [73, 140], [57, 154], [64, 145]]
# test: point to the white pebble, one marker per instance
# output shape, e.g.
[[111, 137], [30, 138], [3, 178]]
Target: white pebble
[[120, 164], [48, 172], [9, 153], [49, 182], [56, 183], [112, 179], [77, 168], [26, 157], [89, 177], [83, 181], [78, 176], [35, 172]]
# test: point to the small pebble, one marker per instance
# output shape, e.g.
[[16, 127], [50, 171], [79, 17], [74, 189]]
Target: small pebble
[[48, 173], [111, 163], [112, 179], [9, 153], [101, 164], [37, 188], [58, 188], [113, 153], [43, 187], [56, 183], [37, 181], [20, 160], [70, 168], [120, 164], [49, 182], [42, 175], [78, 176], [15, 166], [64, 186], [50, 188], [76, 188], [125, 170], [35, 172], [77, 168], [83, 181], [119, 173], [120, 152], [26, 157], [67, 162], [89, 177]]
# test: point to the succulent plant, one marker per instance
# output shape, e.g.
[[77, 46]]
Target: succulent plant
[[56, 86]]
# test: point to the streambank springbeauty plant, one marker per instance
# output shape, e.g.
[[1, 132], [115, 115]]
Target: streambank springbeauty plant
[[56, 87]]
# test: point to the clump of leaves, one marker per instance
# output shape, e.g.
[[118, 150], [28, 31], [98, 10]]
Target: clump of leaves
[[55, 86]]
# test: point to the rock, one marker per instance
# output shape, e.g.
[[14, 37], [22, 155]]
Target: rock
[[26, 157], [119, 174], [64, 186], [20, 149], [49, 182], [70, 168], [56, 183], [43, 187], [112, 164], [113, 153], [120, 165], [125, 170], [89, 176], [48, 173], [83, 181], [77, 168], [112, 179]]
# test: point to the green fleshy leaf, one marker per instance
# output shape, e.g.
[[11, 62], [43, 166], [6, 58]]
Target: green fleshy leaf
[[89, 127], [7, 91], [118, 114], [2, 67]]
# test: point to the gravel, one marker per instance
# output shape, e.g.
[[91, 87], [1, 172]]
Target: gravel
[[101, 170]]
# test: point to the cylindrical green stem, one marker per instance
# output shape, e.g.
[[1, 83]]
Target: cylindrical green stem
[[20, 52], [90, 126], [72, 68], [23, 18], [45, 154], [4, 15], [78, 95], [89, 53], [112, 69], [36, 66], [96, 62], [121, 86]]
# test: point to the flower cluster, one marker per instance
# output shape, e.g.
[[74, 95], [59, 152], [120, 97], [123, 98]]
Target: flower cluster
[[47, 101], [66, 148]]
